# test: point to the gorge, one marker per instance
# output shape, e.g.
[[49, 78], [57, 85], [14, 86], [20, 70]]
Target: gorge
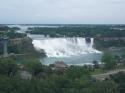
[[71, 50]]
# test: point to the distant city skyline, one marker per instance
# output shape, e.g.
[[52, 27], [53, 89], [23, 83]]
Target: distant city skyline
[[62, 12]]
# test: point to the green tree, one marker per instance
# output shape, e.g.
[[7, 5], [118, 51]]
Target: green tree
[[8, 67], [35, 67], [119, 79], [104, 87], [109, 61], [95, 64]]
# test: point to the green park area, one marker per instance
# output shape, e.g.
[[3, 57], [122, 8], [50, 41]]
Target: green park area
[[22, 72]]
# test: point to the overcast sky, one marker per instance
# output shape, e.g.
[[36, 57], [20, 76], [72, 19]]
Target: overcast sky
[[62, 11]]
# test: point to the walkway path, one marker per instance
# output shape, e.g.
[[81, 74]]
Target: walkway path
[[107, 74], [1, 56]]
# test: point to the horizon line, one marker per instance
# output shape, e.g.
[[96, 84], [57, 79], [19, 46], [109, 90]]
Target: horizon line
[[58, 24]]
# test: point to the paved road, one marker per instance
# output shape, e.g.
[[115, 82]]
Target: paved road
[[107, 74]]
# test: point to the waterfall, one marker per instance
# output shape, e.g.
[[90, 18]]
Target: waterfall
[[64, 47]]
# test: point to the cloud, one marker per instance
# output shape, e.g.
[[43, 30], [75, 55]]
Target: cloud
[[62, 11]]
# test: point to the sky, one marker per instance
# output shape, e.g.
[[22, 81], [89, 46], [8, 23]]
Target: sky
[[62, 11]]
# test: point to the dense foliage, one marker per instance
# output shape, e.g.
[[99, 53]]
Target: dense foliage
[[10, 32], [99, 43], [120, 80], [75, 79], [109, 61], [45, 80], [82, 31]]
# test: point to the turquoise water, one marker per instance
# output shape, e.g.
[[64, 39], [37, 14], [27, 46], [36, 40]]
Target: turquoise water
[[73, 60], [79, 59]]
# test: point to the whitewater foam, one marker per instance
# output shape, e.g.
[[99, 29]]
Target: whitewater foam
[[64, 47]]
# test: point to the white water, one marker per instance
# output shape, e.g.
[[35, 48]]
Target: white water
[[64, 47], [72, 51]]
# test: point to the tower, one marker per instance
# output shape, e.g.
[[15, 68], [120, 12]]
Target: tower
[[4, 40], [5, 53]]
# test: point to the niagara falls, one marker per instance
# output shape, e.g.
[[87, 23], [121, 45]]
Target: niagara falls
[[65, 47]]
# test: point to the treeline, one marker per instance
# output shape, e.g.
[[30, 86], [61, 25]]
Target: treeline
[[99, 43], [6, 28], [45, 80], [82, 31], [14, 34], [10, 32]]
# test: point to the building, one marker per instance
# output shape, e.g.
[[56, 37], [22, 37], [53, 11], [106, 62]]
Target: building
[[59, 65], [16, 41]]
